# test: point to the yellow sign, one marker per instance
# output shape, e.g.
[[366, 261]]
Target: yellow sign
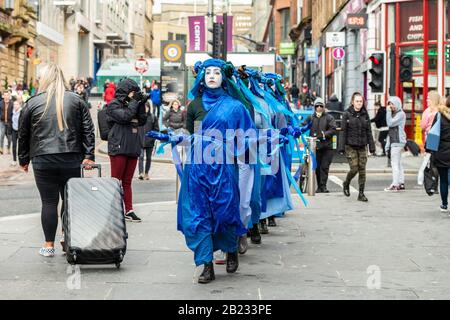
[[418, 132]]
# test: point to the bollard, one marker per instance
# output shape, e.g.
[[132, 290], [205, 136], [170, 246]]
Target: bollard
[[311, 173]]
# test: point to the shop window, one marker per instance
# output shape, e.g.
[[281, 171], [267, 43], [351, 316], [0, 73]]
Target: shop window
[[447, 16], [418, 60], [412, 18]]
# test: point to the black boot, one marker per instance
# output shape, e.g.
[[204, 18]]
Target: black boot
[[361, 196], [232, 262], [208, 274], [263, 224], [255, 236], [346, 187], [243, 244], [272, 222]]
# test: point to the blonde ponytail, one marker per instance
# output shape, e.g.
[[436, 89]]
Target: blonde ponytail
[[52, 82]]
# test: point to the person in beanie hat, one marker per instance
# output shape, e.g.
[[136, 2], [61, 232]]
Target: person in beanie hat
[[323, 128]]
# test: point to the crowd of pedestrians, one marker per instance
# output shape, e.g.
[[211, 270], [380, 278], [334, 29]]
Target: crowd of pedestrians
[[60, 112]]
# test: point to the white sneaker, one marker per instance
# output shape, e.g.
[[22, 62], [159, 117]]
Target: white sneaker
[[13, 164], [444, 209], [47, 252]]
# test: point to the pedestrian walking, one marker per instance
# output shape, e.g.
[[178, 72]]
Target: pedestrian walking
[[323, 128], [125, 114], [155, 97], [441, 158], [148, 143], [109, 93], [396, 141], [334, 104], [6, 109], [175, 118], [295, 91], [356, 135], [56, 135], [15, 129], [381, 124], [429, 114]]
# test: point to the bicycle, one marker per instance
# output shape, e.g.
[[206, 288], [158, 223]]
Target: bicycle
[[304, 172]]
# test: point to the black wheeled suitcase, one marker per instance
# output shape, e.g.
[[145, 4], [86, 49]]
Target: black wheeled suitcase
[[94, 221]]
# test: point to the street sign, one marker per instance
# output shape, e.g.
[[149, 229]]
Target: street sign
[[287, 48], [141, 65], [338, 54], [335, 39], [311, 55], [357, 20]]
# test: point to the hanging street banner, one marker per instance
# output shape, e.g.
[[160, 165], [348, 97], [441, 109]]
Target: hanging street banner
[[229, 31], [173, 83], [197, 34]]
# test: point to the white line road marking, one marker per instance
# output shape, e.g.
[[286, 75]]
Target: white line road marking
[[20, 217], [36, 215], [340, 183]]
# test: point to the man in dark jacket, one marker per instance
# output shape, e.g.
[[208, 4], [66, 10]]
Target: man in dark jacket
[[334, 104], [148, 144], [323, 128], [381, 124], [6, 111], [294, 95], [125, 114]]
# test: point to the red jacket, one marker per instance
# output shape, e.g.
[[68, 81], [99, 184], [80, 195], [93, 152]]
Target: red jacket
[[110, 92]]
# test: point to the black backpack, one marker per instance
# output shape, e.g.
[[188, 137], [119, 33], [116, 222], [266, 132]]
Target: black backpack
[[103, 125]]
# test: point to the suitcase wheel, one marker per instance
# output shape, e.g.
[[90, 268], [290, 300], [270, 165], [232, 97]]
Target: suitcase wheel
[[118, 265]]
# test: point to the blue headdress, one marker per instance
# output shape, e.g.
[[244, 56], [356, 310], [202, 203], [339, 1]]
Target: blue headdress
[[228, 85]]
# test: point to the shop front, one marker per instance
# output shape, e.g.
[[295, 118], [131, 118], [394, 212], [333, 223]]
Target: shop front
[[419, 29]]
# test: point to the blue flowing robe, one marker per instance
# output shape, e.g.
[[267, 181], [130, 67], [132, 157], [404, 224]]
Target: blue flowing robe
[[208, 210]]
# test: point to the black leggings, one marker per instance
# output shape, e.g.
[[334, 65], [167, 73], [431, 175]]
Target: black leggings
[[443, 178], [147, 153], [15, 136], [51, 185]]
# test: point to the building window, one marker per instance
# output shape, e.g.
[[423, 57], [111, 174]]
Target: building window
[[171, 36], [285, 24], [181, 37]]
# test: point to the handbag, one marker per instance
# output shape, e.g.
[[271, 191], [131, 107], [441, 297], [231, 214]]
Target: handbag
[[425, 163], [434, 136], [431, 178]]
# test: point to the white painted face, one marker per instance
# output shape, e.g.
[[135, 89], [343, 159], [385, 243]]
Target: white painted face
[[213, 77]]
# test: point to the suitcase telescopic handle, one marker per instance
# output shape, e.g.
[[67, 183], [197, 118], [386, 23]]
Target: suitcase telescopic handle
[[93, 166]]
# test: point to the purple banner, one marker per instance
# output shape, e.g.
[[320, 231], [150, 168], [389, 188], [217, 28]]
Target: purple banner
[[229, 31], [197, 34]]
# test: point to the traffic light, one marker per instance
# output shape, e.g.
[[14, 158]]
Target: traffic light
[[217, 42], [406, 68], [377, 72]]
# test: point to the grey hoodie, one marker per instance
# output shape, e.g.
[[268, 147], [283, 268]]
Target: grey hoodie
[[396, 122]]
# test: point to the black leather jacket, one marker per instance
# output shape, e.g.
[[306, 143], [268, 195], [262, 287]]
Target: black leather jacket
[[42, 136]]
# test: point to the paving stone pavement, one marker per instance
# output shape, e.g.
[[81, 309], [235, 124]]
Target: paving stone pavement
[[394, 247]]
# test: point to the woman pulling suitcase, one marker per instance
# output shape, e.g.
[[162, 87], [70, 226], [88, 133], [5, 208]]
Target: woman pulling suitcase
[[56, 135]]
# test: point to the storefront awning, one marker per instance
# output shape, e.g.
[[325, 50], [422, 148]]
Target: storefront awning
[[102, 44]]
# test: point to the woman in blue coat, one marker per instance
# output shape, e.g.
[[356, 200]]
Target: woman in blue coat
[[208, 212]]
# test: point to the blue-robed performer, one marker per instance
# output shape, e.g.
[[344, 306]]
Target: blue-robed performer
[[209, 201]]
